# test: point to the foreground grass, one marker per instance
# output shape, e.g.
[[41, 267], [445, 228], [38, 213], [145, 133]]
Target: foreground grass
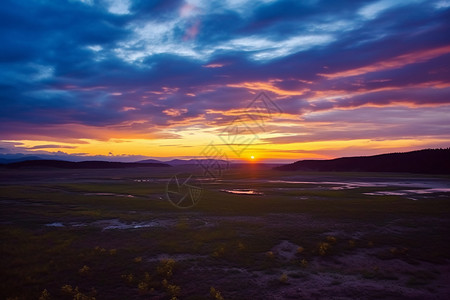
[[224, 247]]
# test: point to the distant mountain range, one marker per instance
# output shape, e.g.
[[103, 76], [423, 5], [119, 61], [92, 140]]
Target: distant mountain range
[[35, 162], [428, 161], [61, 164], [13, 160], [10, 158], [179, 162]]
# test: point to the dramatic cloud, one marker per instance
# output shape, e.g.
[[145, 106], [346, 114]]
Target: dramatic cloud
[[163, 78]]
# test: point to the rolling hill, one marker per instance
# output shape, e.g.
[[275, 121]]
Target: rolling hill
[[61, 164], [427, 161]]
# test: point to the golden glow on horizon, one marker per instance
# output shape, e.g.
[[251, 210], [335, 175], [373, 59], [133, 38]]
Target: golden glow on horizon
[[187, 147]]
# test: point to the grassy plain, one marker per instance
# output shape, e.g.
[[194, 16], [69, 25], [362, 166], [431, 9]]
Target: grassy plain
[[111, 234]]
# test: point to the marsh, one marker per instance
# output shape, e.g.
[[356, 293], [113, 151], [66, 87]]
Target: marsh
[[273, 235]]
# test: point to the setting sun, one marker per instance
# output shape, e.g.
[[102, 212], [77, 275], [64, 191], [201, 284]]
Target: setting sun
[[252, 157]]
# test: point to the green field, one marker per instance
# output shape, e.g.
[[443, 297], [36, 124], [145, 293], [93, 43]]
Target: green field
[[112, 234]]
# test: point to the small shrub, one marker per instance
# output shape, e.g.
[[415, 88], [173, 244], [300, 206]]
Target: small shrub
[[215, 294], [165, 267], [67, 289], [398, 251], [84, 270], [143, 287], [138, 259], [172, 289], [112, 251], [241, 246], [219, 252], [147, 277], [284, 278], [270, 255], [128, 277], [45, 295], [300, 250], [351, 243], [303, 263], [99, 250], [331, 239], [324, 248], [77, 295]]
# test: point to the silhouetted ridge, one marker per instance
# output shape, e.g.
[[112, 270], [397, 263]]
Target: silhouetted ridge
[[13, 160], [146, 161], [80, 165], [428, 161]]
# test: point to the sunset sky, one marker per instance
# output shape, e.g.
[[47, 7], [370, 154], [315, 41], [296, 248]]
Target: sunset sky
[[171, 79]]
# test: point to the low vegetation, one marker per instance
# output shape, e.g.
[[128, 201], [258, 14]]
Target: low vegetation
[[62, 239]]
